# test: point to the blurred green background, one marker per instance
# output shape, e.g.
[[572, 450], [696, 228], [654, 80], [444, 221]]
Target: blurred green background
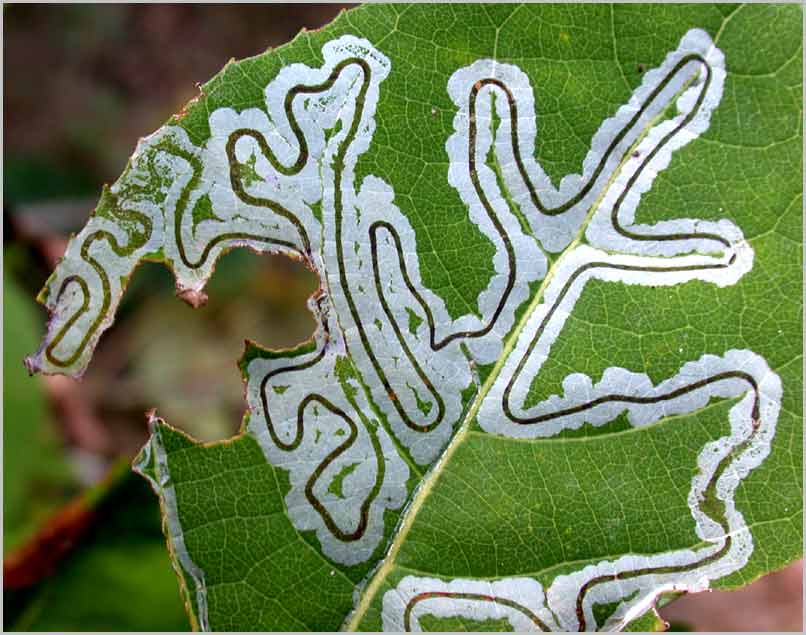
[[83, 548]]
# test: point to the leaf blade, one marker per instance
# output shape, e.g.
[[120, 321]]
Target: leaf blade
[[380, 398]]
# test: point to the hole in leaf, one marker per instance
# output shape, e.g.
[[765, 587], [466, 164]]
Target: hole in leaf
[[162, 353]]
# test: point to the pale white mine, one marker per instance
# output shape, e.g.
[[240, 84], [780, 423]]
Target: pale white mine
[[379, 387]]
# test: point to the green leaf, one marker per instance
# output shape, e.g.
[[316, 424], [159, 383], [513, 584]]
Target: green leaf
[[557, 366]]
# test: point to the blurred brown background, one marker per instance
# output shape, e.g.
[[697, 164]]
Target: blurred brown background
[[82, 84]]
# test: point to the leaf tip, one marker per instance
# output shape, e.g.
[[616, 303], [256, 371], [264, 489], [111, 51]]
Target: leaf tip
[[153, 422], [30, 365]]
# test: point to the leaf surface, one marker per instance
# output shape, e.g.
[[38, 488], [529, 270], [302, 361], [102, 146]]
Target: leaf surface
[[557, 366]]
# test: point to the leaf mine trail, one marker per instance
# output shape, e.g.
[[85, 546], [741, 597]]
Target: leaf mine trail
[[377, 393]]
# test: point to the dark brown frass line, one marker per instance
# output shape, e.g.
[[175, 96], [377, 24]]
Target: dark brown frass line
[[301, 160], [668, 137], [329, 458], [428, 595], [629, 398]]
